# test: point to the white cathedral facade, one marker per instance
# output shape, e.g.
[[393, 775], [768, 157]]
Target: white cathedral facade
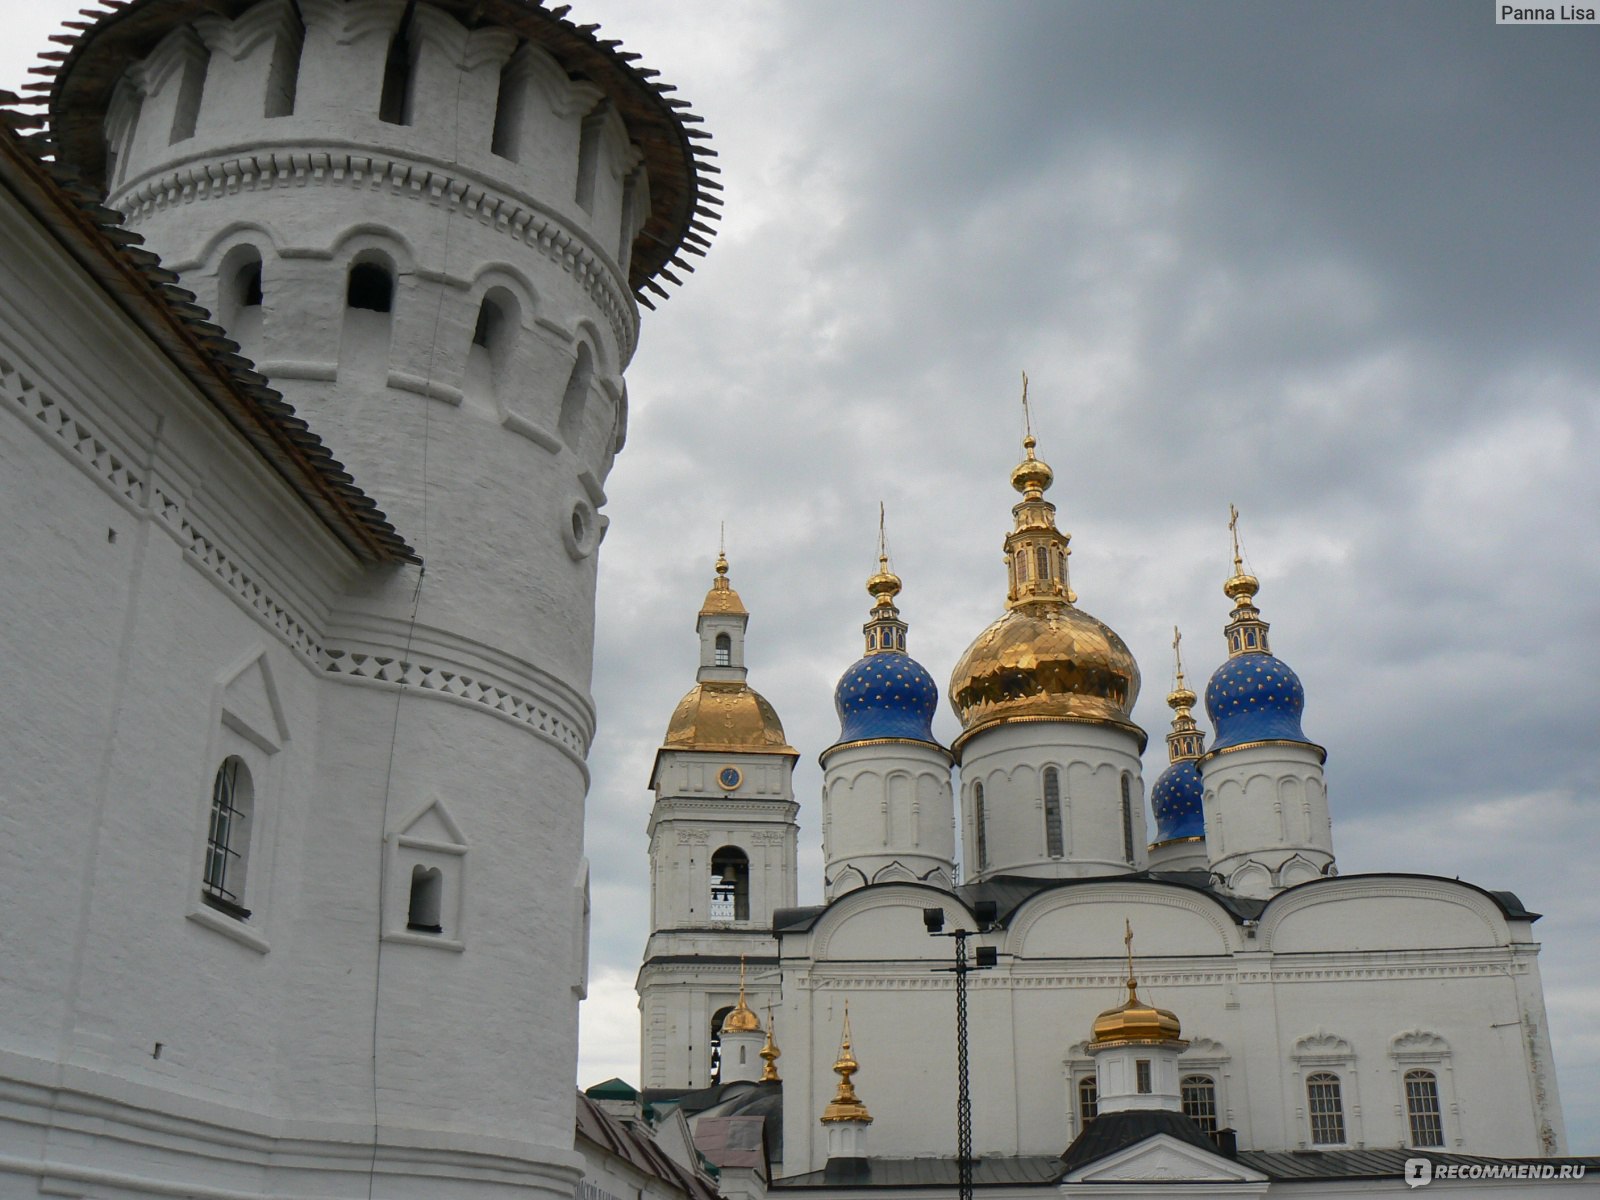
[[1323, 1012]]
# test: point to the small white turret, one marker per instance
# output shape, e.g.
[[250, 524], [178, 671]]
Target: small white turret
[[1135, 1049]]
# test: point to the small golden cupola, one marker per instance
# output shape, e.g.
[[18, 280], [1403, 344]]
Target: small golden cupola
[[741, 1019], [1045, 658], [846, 1105], [1134, 1022], [722, 712], [770, 1054]]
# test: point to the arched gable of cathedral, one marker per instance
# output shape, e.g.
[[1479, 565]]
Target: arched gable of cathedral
[[1061, 922], [1388, 912], [884, 921]]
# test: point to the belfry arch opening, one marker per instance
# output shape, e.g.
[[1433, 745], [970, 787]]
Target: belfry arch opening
[[730, 885]]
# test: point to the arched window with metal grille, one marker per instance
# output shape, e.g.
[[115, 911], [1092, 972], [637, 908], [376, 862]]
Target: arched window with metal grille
[[1325, 1108], [1423, 1113], [1198, 1094], [228, 839]]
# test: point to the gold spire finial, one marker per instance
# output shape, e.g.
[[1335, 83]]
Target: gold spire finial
[[846, 1105], [1233, 528], [1185, 740], [1246, 631], [1127, 940], [741, 1019], [884, 585], [1028, 442], [1177, 654], [770, 1053]]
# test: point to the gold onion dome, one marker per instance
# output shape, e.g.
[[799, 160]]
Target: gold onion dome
[[741, 1019], [1133, 1020], [726, 716], [1045, 659]]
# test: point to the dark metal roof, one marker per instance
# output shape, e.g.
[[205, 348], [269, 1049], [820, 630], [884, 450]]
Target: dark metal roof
[[1019, 1171], [1111, 1132], [136, 282], [684, 205], [1386, 1163], [634, 1144]]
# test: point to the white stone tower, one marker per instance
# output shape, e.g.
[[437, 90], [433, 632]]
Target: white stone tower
[[1049, 755], [887, 807], [1266, 805], [427, 222], [723, 849]]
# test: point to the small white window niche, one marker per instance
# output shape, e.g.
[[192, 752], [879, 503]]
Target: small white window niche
[[424, 869], [236, 813]]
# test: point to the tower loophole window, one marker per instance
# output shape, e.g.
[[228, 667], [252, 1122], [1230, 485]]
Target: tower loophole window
[[399, 71], [427, 894], [228, 839], [980, 830], [1052, 813], [371, 286], [730, 885], [724, 650]]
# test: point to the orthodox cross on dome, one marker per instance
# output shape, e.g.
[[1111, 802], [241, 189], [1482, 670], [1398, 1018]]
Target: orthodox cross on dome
[[1127, 940], [1036, 550], [1185, 740], [1246, 631], [884, 630]]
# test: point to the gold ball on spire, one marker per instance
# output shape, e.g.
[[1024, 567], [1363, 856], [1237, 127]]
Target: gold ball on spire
[[1032, 476], [884, 585]]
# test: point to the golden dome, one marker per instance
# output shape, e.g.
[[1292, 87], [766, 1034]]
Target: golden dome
[[1046, 661], [726, 716], [722, 598], [1135, 1021], [741, 1019]]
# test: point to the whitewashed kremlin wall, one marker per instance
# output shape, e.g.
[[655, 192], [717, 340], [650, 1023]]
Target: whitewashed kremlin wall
[[185, 605]]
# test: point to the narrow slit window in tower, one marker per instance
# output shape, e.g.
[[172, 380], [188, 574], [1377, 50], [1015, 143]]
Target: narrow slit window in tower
[[1052, 813], [510, 104], [980, 834], [283, 73], [191, 90], [589, 156], [399, 71], [1141, 1075], [1127, 817], [576, 397]]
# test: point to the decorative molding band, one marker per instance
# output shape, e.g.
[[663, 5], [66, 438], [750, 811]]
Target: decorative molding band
[[1110, 980], [77, 439], [541, 230], [426, 387], [72, 435], [211, 558], [450, 684]]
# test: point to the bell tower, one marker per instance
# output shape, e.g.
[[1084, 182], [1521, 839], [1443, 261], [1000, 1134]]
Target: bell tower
[[723, 848]]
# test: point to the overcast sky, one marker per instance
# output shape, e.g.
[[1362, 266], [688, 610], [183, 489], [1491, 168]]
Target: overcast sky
[[1336, 264]]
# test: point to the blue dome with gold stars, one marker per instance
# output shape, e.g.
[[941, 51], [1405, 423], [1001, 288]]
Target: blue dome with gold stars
[[886, 695], [1176, 801], [1255, 698]]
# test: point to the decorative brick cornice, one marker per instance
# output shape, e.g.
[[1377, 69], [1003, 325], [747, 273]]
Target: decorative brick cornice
[[441, 186]]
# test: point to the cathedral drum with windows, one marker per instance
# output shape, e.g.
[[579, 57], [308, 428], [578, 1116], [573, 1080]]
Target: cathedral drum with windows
[[336, 593]]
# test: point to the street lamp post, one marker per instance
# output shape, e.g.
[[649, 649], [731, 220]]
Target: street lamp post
[[984, 958]]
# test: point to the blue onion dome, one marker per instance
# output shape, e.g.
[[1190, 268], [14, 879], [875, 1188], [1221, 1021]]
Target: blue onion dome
[[1253, 697], [886, 693], [1176, 797]]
